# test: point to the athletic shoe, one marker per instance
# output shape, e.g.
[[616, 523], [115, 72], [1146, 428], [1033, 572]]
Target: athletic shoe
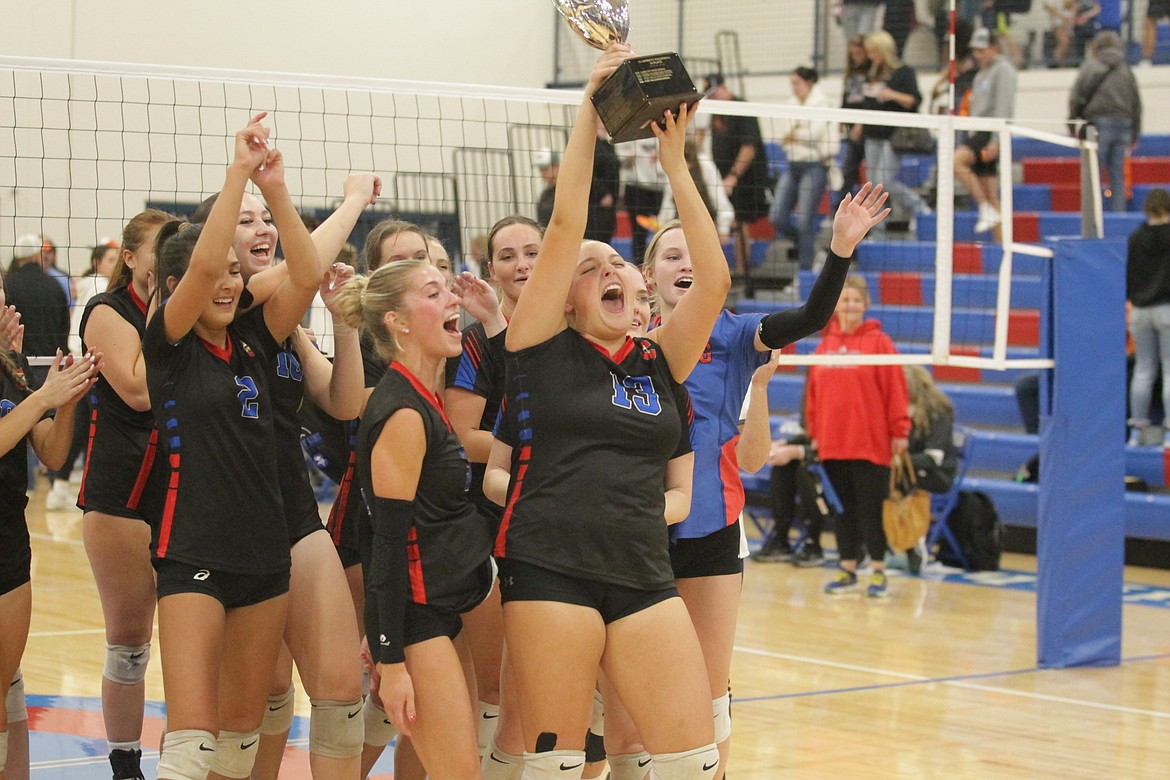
[[916, 556], [60, 496], [877, 586], [988, 218], [842, 582], [1135, 436], [809, 557], [125, 764], [773, 551]]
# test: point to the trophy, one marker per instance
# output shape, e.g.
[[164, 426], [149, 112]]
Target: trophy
[[642, 89]]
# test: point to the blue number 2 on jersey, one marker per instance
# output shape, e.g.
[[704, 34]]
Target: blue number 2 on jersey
[[250, 407], [636, 392]]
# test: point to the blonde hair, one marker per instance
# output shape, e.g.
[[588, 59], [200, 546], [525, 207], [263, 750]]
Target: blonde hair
[[857, 282], [926, 399], [650, 259], [365, 300], [884, 43]]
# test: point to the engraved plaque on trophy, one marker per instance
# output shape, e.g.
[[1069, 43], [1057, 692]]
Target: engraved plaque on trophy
[[642, 89]]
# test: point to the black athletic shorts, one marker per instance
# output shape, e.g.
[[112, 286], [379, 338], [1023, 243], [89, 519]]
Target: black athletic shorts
[[976, 143], [1158, 9], [520, 581], [229, 589], [350, 556], [309, 522], [423, 622], [122, 482], [15, 552], [707, 556]]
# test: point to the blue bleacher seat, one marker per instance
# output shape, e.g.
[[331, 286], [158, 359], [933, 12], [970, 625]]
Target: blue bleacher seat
[[969, 290]]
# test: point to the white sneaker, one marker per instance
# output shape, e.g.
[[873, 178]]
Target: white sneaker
[[988, 218], [60, 496]]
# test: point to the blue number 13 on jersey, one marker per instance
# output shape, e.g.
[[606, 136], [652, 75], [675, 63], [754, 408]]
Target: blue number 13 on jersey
[[249, 406], [636, 392]]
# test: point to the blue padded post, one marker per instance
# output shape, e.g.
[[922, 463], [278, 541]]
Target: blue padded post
[[1081, 524]]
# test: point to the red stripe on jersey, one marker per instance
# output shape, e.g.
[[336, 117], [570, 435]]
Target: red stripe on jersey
[[164, 534], [432, 398], [473, 351], [622, 353], [144, 470], [505, 521], [93, 416], [418, 588], [341, 503], [141, 304], [223, 353], [733, 498]]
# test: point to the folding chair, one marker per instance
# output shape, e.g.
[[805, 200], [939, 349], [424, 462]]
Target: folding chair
[[942, 504]]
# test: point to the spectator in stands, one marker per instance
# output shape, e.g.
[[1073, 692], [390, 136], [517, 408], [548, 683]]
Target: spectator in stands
[[901, 19], [932, 442], [1156, 11], [965, 70], [1147, 284], [810, 146], [710, 184], [993, 94], [857, 66], [549, 164], [858, 17], [102, 261], [858, 418], [966, 12], [738, 150], [603, 192], [791, 477], [1075, 22], [42, 303], [49, 263], [1106, 96], [642, 194], [892, 86], [997, 17]]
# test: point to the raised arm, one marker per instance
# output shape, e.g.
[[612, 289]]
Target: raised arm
[[290, 301], [685, 335], [210, 255], [755, 438], [540, 312], [855, 216], [337, 387]]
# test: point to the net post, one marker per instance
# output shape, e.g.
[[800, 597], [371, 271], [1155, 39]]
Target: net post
[[1003, 300], [944, 236], [1092, 220]]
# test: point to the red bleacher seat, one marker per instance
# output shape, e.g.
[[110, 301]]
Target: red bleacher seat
[[622, 230], [1149, 170], [1026, 226], [1023, 328], [968, 258], [1066, 196], [900, 288], [958, 373]]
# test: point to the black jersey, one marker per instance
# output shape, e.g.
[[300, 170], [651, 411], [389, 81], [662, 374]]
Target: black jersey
[[591, 434], [300, 503], [450, 542], [15, 553], [348, 512], [480, 370], [122, 474], [214, 410]]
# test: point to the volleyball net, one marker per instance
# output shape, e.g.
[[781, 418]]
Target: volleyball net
[[85, 146]]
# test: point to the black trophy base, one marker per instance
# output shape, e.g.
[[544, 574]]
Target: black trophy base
[[639, 92]]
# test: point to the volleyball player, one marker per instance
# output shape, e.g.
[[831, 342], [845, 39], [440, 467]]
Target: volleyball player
[[594, 453], [317, 636], [222, 550], [705, 548], [26, 418], [475, 387], [430, 555], [122, 488]]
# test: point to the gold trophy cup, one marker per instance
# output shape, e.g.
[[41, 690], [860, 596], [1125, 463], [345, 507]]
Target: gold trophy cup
[[642, 89]]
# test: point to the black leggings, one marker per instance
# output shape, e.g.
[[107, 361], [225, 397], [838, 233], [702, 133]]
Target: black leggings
[[861, 486]]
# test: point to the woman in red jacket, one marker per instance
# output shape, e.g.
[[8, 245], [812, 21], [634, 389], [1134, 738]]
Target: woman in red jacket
[[859, 420]]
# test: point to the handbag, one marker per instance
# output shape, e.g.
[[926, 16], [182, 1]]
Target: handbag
[[1076, 125], [906, 511], [912, 140]]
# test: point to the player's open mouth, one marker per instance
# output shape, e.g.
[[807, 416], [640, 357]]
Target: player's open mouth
[[684, 282], [613, 299], [451, 325], [262, 251]]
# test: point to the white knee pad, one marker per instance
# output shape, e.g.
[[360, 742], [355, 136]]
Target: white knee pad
[[125, 664], [554, 765], [698, 764], [378, 728], [335, 728], [235, 753], [629, 766], [3, 749], [721, 709], [14, 703], [597, 720], [498, 765], [186, 755], [278, 713], [486, 718]]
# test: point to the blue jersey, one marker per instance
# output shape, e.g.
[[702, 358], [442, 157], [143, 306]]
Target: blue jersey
[[717, 387]]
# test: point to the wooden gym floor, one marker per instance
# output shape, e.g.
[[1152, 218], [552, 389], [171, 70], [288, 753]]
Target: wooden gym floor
[[940, 680]]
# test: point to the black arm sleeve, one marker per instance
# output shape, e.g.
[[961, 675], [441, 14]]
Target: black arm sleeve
[[388, 581], [784, 327]]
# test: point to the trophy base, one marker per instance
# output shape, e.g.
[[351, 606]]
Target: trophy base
[[639, 92]]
